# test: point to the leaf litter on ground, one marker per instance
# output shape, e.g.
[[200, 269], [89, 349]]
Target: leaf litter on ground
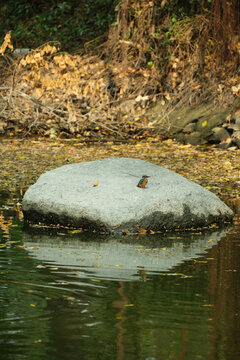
[[24, 160]]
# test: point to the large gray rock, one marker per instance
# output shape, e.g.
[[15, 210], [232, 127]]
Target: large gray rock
[[103, 195]]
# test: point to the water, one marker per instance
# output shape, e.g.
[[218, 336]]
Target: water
[[69, 296]]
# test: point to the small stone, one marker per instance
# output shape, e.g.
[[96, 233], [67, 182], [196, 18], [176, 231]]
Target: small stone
[[195, 138], [189, 128], [219, 135]]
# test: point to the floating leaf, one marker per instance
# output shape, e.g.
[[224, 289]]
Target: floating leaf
[[3, 246], [142, 231], [75, 231]]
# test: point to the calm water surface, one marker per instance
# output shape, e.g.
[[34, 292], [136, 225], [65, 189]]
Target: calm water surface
[[65, 295]]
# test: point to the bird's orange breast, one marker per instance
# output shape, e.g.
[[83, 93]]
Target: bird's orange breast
[[142, 183]]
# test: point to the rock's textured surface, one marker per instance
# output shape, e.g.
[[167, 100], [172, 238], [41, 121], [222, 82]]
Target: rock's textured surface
[[103, 195]]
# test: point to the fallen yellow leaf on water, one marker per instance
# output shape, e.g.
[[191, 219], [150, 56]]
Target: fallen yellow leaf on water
[[75, 231], [21, 246], [142, 231], [37, 341]]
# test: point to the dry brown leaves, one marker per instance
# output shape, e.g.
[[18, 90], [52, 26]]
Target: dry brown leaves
[[72, 93], [6, 44], [52, 92]]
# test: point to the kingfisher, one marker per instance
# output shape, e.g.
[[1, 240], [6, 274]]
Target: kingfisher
[[143, 181]]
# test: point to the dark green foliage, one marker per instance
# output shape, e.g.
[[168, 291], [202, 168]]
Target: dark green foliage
[[187, 7], [71, 22]]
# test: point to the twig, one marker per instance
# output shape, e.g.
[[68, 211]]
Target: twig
[[39, 103]]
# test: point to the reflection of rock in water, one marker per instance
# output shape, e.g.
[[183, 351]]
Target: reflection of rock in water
[[120, 259]]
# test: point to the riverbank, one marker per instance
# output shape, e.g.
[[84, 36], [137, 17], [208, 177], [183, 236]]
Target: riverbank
[[24, 160]]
